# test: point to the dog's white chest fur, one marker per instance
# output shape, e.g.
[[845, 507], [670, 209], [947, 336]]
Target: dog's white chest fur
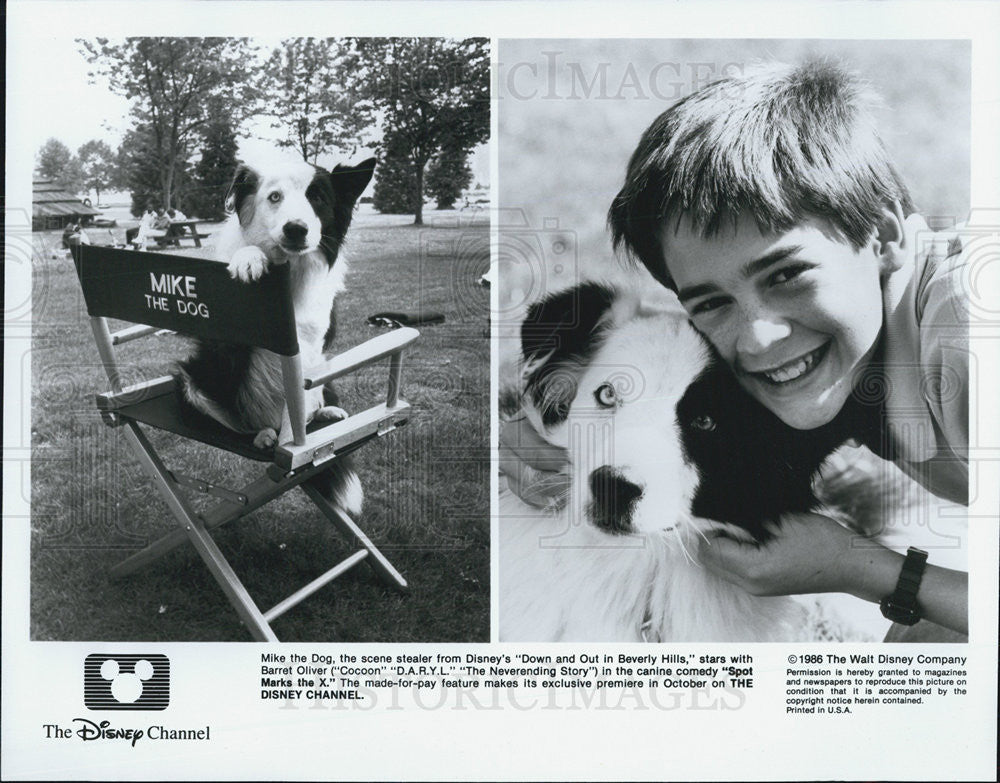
[[562, 580], [315, 285]]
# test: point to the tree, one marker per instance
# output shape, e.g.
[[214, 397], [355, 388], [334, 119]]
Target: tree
[[56, 162], [447, 176], [395, 182], [213, 173], [138, 168], [178, 86], [97, 162], [308, 97], [431, 93], [52, 159]]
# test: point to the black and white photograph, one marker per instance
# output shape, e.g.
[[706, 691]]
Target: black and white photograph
[[501, 390], [734, 402], [248, 276]]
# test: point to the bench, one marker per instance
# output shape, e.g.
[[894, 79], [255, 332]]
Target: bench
[[182, 229]]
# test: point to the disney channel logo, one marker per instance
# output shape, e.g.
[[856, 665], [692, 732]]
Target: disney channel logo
[[89, 730], [122, 681]]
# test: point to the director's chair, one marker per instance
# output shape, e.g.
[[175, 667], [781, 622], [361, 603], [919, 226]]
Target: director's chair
[[197, 297]]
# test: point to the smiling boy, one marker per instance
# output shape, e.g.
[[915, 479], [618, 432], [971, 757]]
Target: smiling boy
[[768, 204]]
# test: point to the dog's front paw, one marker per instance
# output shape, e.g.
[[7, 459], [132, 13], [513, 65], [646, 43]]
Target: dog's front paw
[[330, 413], [248, 264], [265, 439]]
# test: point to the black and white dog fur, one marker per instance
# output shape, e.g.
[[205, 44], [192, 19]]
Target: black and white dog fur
[[661, 439], [288, 212]]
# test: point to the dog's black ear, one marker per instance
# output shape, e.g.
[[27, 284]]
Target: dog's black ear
[[349, 182], [245, 183], [563, 324], [559, 334]]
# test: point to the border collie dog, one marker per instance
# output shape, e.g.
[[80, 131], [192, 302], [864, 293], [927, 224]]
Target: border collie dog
[[661, 439], [285, 213]]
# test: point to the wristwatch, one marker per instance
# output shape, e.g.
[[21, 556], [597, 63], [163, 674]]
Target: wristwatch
[[901, 606]]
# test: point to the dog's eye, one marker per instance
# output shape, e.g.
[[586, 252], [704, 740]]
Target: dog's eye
[[704, 423], [274, 197], [606, 395]]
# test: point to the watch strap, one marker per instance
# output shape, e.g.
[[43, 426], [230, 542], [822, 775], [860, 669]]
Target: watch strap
[[901, 606]]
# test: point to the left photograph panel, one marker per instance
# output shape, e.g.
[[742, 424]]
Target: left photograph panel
[[260, 340]]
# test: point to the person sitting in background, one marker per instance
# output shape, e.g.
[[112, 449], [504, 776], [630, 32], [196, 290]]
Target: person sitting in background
[[162, 221], [137, 236], [72, 235], [71, 228], [159, 226], [176, 216]]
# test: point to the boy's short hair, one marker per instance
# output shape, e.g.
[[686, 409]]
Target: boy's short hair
[[779, 143]]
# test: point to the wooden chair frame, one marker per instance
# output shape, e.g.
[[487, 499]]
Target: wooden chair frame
[[122, 284]]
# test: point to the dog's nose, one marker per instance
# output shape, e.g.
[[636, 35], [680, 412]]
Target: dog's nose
[[613, 500], [295, 231]]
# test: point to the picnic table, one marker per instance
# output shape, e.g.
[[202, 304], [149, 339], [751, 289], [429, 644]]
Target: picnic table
[[182, 229]]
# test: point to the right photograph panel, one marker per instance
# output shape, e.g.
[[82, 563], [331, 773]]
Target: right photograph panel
[[734, 365]]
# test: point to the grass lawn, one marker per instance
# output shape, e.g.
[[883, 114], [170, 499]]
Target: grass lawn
[[426, 485]]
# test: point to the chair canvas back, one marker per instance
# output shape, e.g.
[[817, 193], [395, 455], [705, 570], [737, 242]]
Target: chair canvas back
[[191, 296]]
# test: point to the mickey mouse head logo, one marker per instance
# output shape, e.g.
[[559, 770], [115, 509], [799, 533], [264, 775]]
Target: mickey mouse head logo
[[126, 688]]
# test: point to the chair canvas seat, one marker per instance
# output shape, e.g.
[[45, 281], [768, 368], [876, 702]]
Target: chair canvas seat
[[169, 412], [159, 291]]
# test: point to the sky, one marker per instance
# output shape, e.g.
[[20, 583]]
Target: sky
[[69, 108]]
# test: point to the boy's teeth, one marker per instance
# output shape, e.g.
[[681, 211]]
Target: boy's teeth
[[791, 371]]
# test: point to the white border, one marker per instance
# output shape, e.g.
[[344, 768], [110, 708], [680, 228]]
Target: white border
[[251, 741]]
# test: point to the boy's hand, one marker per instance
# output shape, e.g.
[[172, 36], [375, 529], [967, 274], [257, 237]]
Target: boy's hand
[[535, 469], [809, 554]]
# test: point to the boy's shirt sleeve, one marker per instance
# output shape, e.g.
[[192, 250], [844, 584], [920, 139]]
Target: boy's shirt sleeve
[[944, 351], [927, 365]]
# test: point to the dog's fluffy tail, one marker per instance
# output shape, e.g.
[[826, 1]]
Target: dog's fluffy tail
[[341, 486]]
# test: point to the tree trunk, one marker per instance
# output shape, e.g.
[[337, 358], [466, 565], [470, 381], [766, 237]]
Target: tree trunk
[[168, 190], [418, 215]]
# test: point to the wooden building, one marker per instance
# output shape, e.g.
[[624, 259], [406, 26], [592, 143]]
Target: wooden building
[[53, 207]]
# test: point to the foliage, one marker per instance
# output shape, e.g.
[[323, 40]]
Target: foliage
[[98, 166], [177, 86], [396, 191], [52, 159], [56, 162], [307, 96], [138, 169], [213, 173], [431, 94], [447, 176]]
